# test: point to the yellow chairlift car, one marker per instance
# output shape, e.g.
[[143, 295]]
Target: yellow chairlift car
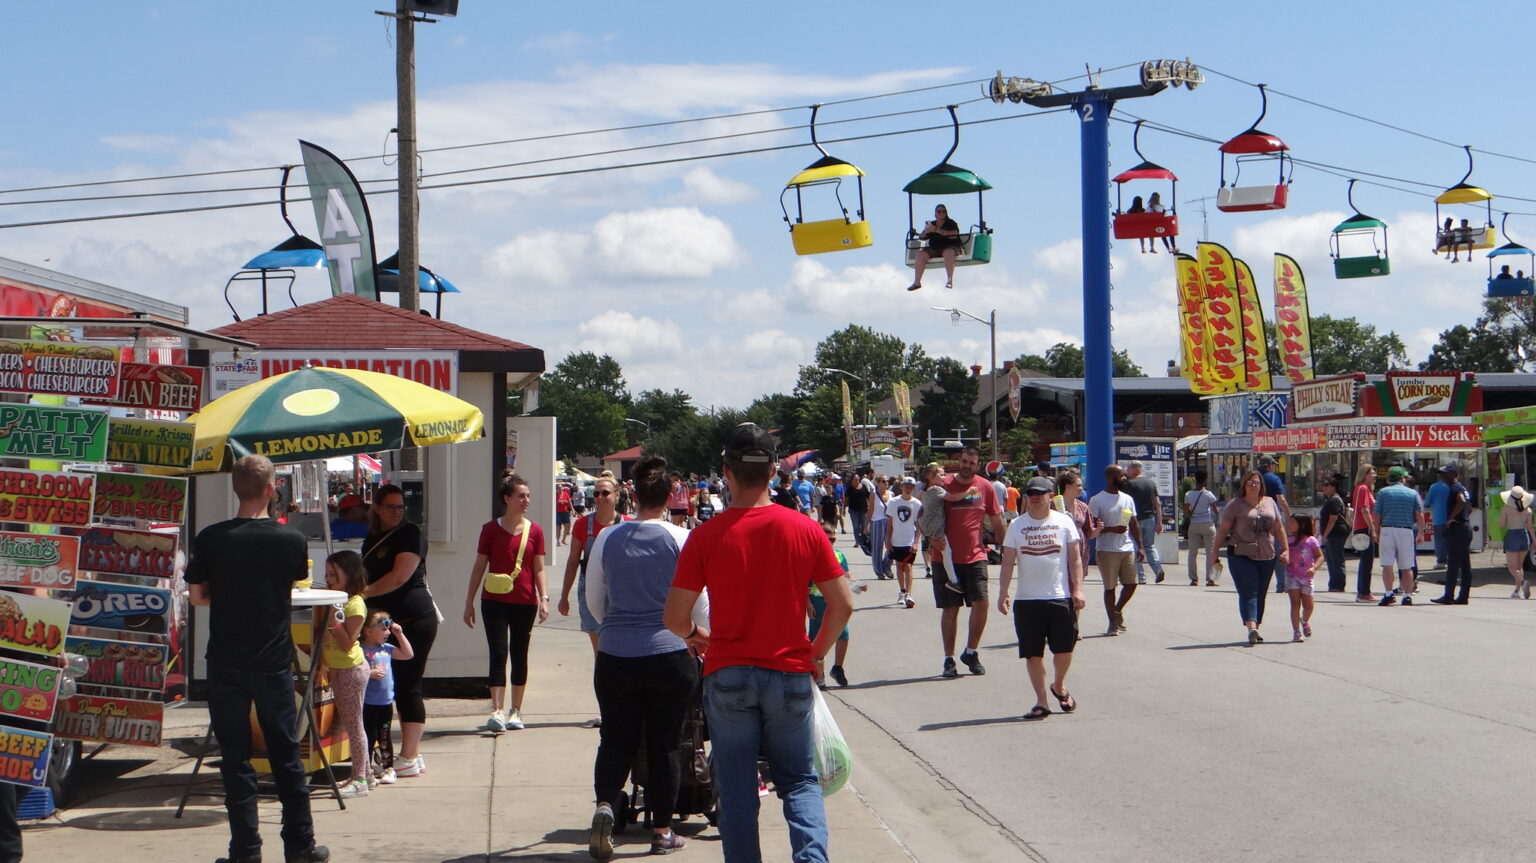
[[838, 234], [1450, 237]]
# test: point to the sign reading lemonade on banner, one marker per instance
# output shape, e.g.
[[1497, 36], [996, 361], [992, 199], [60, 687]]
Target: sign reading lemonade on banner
[[38, 560], [150, 443], [59, 369], [147, 498], [28, 690], [54, 433], [32, 624], [46, 497]]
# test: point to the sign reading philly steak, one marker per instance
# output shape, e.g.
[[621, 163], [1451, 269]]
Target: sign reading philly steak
[[64, 434], [148, 498], [28, 690], [124, 607], [38, 560]]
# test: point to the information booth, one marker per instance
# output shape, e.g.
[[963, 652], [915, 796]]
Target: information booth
[[1416, 420]]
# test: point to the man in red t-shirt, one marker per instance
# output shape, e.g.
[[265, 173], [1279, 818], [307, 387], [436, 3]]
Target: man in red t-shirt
[[562, 513], [757, 559], [963, 521]]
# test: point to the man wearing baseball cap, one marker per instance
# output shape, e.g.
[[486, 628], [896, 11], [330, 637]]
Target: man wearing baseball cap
[[351, 521], [1458, 540], [1397, 511], [1043, 542], [755, 559]]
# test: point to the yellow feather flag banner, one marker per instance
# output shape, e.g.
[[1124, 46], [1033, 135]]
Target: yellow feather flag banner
[[1293, 320], [1223, 315], [847, 408], [903, 395], [1192, 329], [1255, 349]]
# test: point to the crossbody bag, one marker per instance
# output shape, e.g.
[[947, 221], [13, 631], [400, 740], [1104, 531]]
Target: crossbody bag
[[500, 582]]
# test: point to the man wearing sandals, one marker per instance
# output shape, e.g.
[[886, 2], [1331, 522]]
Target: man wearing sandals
[[1043, 543]]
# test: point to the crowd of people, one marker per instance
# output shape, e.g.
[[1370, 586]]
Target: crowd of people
[[722, 598]]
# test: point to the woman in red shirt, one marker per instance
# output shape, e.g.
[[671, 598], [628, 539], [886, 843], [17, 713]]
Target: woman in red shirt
[[512, 597], [1364, 502]]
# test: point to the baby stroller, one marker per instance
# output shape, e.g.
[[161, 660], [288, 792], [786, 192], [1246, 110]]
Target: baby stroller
[[696, 794]]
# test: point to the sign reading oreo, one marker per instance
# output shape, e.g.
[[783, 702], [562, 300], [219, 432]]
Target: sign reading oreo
[[121, 606]]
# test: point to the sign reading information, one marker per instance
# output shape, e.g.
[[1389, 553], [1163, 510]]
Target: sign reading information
[[150, 443], [148, 498], [38, 560], [55, 433], [46, 497], [58, 369]]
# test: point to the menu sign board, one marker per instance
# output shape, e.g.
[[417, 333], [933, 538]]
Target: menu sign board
[[24, 756], [159, 387], [111, 720], [37, 560], [121, 664], [1422, 393], [119, 551], [1431, 436], [28, 690], [46, 497], [31, 624], [1323, 399], [147, 498], [58, 369], [150, 443], [1291, 439], [125, 607], [1347, 436], [55, 433]]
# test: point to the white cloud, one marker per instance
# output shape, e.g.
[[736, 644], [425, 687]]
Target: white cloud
[[625, 336], [707, 187], [664, 243]]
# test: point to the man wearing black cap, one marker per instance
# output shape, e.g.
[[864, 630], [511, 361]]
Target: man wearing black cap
[[756, 559], [1458, 540], [1043, 542]]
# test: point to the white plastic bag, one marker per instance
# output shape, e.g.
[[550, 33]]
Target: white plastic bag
[[834, 762]]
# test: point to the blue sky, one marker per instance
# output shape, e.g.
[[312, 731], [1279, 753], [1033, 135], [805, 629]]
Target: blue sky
[[668, 267]]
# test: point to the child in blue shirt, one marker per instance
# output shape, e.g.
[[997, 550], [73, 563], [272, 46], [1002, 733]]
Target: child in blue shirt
[[379, 697]]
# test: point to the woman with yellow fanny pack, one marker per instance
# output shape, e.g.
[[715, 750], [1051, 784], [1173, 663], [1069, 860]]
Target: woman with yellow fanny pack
[[508, 576]]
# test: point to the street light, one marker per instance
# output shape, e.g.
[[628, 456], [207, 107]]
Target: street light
[[640, 423], [990, 322], [863, 386]]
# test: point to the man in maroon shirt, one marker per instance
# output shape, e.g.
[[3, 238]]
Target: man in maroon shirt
[[963, 520]]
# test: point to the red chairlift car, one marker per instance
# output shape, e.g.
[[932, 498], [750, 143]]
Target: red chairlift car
[[1255, 145], [1148, 221]]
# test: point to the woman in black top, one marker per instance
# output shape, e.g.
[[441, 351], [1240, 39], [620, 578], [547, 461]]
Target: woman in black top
[[943, 238], [395, 555], [1335, 532]]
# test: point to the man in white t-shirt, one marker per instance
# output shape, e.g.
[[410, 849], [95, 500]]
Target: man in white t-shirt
[[901, 538], [1042, 541], [1117, 547]]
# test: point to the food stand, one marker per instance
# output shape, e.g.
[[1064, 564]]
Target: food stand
[[1509, 454], [1417, 420]]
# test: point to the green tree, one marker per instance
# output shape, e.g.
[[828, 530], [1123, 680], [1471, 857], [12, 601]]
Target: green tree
[[948, 405], [660, 410], [1065, 360], [693, 443], [1485, 347], [586, 396], [1016, 446], [1344, 345], [820, 420]]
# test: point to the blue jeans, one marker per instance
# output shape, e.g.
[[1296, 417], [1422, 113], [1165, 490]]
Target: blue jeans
[[230, 695], [1148, 527], [860, 538], [1251, 578], [1366, 570], [1333, 553], [1440, 546], [754, 710], [879, 555]]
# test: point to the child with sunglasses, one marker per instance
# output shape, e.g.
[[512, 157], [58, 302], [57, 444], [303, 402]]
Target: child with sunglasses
[[379, 697]]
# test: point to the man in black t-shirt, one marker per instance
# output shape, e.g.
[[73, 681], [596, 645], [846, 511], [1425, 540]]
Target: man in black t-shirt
[[857, 492], [1149, 519], [1333, 529], [244, 570]]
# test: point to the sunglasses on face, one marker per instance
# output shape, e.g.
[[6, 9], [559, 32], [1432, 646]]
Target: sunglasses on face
[[601, 493], [383, 624]]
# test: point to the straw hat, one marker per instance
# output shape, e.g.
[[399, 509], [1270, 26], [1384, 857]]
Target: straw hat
[[1514, 492]]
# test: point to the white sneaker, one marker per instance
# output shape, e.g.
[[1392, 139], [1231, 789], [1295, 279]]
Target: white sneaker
[[514, 722], [1514, 594], [373, 782], [909, 602], [388, 776], [407, 767], [355, 788], [497, 722]]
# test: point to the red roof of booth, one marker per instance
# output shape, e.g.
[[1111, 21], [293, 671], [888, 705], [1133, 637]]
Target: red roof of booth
[[350, 322]]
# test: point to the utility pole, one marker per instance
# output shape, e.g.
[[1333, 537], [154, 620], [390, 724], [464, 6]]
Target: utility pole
[[1092, 105], [405, 137]]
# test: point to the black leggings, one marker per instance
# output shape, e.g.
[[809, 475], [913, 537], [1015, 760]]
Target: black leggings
[[508, 627], [376, 721], [421, 632], [643, 698]]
